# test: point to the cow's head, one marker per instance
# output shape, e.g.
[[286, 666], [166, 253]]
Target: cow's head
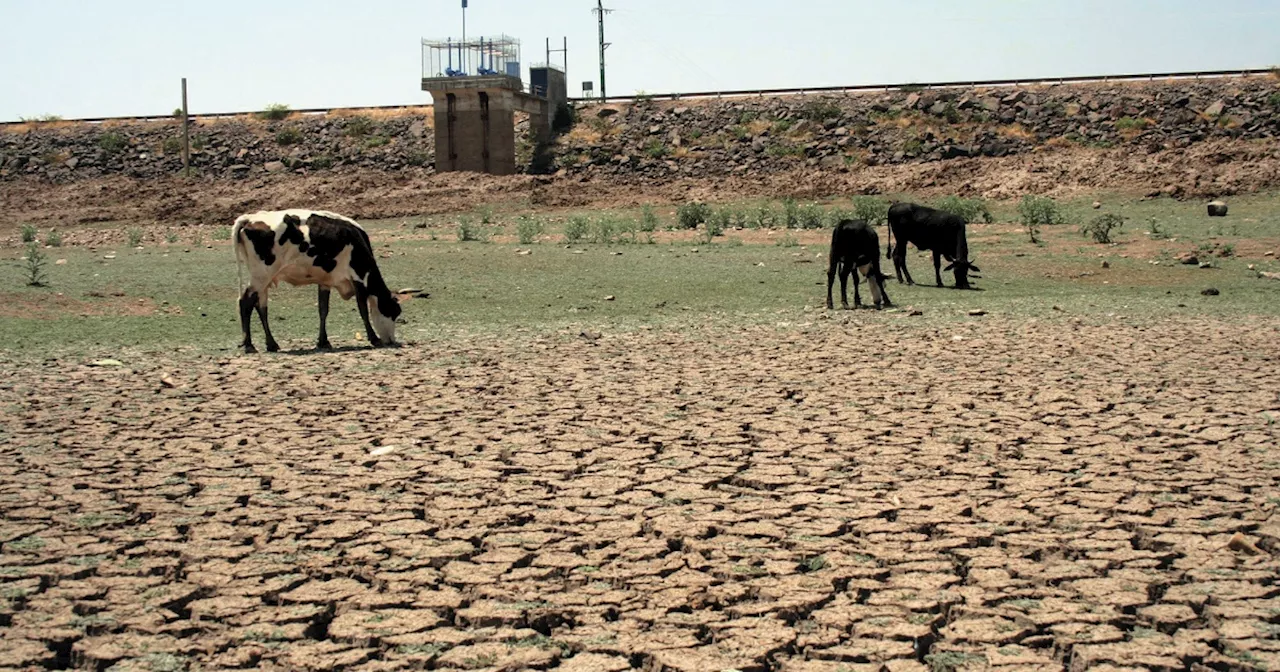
[[383, 312], [962, 268]]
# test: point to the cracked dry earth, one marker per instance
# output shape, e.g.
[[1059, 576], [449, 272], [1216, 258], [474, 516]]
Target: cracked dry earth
[[984, 495]]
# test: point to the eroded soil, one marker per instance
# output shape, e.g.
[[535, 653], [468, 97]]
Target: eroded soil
[[1035, 495]]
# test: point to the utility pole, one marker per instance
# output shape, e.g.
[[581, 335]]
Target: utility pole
[[600, 12], [186, 133]]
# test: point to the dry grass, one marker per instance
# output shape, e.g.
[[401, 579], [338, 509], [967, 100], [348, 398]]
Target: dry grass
[[1016, 130]]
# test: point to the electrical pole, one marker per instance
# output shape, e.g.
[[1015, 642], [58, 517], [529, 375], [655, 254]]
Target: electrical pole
[[186, 133], [600, 12]]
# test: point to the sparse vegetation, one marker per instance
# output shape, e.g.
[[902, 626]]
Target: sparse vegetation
[[528, 229], [1099, 228], [34, 266], [53, 238], [971, 210], [1153, 228], [275, 112], [603, 230], [1038, 211], [112, 143], [648, 219], [28, 233], [576, 229], [134, 236], [790, 213], [222, 233], [871, 209], [289, 136], [172, 146], [171, 237], [469, 231], [655, 149], [360, 126], [376, 141], [948, 661], [1131, 124], [811, 216], [821, 110], [690, 215], [787, 240]]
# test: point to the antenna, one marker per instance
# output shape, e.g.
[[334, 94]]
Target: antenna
[[600, 11]]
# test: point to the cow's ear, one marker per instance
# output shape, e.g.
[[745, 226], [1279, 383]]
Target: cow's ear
[[975, 269], [292, 220], [949, 266]]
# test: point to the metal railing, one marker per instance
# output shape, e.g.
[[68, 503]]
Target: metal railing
[[803, 90]]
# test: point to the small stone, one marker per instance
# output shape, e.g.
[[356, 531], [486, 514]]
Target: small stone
[[274, 166], [1210, 292], [1241, 544], [1096, 205], [168, 383], [106, 362], [1205, 264], [382, 450], [977, 311], [1189, 259], [609, 298], [590, 335], [524, 252], [1252, 267], [1216, 109], [63, 262], [1106, 264]]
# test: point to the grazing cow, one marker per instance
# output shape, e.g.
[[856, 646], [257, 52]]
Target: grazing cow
[[855, 248], [311, 247], [929, 229]]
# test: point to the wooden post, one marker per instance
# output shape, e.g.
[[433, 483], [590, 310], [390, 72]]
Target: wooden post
[[186, 133]]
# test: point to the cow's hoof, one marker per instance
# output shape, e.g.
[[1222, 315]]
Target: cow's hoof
[[323, 345], [273, 347], [830, 307], [375, 341], [249, 349]]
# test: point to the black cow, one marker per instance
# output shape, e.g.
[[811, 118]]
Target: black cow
[[308, 247], [929, 229], [855, 248]]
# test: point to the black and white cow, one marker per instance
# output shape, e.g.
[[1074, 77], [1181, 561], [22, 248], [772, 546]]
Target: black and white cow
[[929, 229], [312, 247], [855, 248]]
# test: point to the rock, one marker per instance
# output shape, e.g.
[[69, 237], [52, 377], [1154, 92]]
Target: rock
[[1241, 544], [1106, 264], [1188, 259], [1205, 264], [239, 168], [1268, 275], [609, 298], [1097, 205], [606, 112], [990, 104], [590, 335], [1209, 292], [524, 252], [1013, 98], [911, 101], [417, 129], [72, 163], [167, 382], [106, 363], [977, 311], [1216, 109], [1217, 209], [938, 108], [60, 262], [274, 166]]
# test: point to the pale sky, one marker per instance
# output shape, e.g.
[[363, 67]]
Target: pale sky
[[92, 58]]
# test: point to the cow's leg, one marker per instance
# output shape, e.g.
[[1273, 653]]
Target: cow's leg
[[272, 346], [248, 299], [937, 266], [362, 303], [323, 301], [872, 273], [831, 278], [844, 283], [857, 296], [900, 262]]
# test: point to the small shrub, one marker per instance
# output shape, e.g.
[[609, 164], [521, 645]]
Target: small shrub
[[1100, 227], [627, 231], [912, 146], [715, 225], [197, 142], [418, 158], [812, 217], [528, 229], [1154, 228], [871, 209], [787, 240], [375, 141], [1038, 211], [968, 209], [782, 126], [603, 231], [721, 219], [358, 127], [765, 218], [28, 233], [112, 143], [222, 233], [820, 110], [1274, 99], [469, 231], [790, 214], [177, 113], [289, 136], [576, 229], [134, 236], [275, 112], [172, 146], [690, 215], [171, 237], [34, 265], [486, 215], [321, 162], [1227, 250], [1130, 124], [648, 219], [783, 149], [655, 149], [53, 239]]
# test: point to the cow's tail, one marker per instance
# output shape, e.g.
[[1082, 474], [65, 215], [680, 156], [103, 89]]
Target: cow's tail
[[888, 245], [236, 244]]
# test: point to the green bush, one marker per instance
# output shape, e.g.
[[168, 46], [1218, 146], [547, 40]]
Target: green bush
[[275, 112], [871, 209], [375, 141], [764, 218], [171, 237], [321, 162], [1038, 211], [418, 158], [469, 231], [968, 209], [576, 229], [787, 240], [528, 229], [1100, 227], [812, 217], [172, 146], [603, 231], [655, 149], [790, 214], [134, 236], [648, 219], [360, 126], [28, 233], [34, 265], [1130, 124], [721, 219], [53, 239], [112, 143], [820, 110], [289, 136], [690, 215]]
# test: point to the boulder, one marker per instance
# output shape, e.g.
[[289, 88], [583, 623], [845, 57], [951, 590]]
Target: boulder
[[1217, 209]]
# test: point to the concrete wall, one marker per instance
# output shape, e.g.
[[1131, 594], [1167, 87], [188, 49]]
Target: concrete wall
[[475, 131]]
